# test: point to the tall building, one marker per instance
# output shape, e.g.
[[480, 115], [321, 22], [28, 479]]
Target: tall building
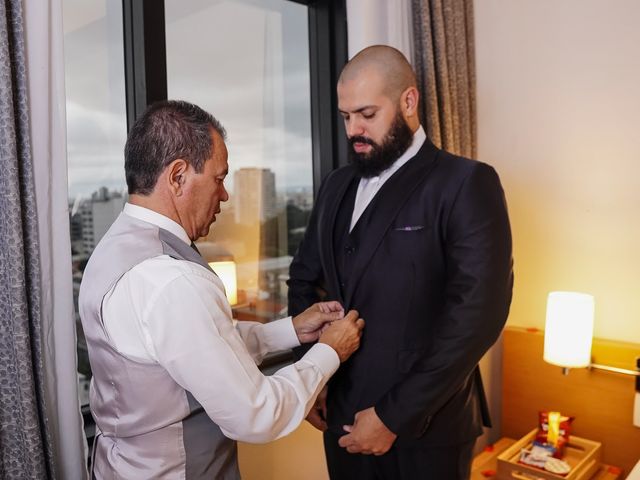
[[255, 195], [94, 217]]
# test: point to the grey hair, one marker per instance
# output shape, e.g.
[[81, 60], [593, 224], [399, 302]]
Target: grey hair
[[166, 131]]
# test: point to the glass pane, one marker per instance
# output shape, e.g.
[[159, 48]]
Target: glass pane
[[247, 62], [96, 133]]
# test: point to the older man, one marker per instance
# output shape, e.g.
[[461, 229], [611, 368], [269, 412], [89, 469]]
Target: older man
[[173, 380], [418, 240]]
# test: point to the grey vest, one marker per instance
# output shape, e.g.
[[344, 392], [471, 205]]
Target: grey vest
[[148, 425]]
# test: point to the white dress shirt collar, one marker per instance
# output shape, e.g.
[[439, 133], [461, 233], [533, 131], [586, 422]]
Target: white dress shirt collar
[[157, 219]]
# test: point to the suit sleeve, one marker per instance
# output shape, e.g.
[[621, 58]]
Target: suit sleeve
[[477, 242], [306, 277], [305, 271]]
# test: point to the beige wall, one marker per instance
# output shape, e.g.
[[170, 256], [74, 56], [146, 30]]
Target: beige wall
[[559, 117], [299, 455]]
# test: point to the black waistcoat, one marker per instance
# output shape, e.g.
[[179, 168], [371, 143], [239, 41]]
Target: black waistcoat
[[346, 244]]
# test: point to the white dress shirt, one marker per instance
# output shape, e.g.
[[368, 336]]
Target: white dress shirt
[[175, 313], [369, 187]]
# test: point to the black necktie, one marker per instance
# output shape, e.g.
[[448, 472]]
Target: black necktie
[[195, 249]]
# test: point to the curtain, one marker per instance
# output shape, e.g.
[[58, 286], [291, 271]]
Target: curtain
[[46, 89], [444, 60], [41, 432], [26, 446], [379, 22]]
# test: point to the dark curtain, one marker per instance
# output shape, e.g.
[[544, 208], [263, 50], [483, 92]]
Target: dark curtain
[[25, 447], [445, 65]]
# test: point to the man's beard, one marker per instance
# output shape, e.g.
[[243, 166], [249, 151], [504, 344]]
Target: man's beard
[[382, 156]]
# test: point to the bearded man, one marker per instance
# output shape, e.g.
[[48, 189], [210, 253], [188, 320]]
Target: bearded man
[[418, 241]]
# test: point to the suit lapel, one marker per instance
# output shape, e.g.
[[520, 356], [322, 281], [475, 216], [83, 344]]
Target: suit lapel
[[388, 203], [327, 225]]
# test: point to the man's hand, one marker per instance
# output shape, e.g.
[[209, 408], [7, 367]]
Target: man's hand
[[344, 335], [308, 325], [367, 435], [318, 414]]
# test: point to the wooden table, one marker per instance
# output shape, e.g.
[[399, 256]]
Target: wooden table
[[485, 464]]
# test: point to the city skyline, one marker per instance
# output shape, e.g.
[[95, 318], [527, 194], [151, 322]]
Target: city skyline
[[91, 215]]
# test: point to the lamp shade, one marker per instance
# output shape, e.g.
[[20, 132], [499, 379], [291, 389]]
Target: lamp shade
[[569, 329], [226, 271]]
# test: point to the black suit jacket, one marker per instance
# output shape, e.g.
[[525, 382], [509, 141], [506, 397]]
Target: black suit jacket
[[433, 281]]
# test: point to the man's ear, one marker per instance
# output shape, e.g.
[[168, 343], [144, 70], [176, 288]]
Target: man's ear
[[177, 175], [409, 101]]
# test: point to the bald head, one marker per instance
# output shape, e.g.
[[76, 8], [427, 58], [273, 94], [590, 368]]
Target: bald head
[[378, 100], [386, 62]]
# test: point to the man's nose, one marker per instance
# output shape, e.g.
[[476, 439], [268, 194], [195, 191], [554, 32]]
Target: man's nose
[[354, 128]]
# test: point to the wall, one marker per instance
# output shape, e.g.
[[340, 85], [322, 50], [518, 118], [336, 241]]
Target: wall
[[299, 455], [559, 117]]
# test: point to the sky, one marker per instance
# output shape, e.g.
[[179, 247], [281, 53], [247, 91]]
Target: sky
[[245, 61]]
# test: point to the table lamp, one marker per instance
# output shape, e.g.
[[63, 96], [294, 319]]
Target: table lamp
[[568, 330], [226, 271], [221, 261]]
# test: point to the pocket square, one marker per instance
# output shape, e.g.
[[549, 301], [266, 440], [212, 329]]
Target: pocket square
[[409, 228]]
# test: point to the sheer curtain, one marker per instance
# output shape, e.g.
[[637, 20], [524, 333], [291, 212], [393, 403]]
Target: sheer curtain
[[45, 72], [379, 22]]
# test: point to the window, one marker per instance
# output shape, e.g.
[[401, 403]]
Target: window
[[248, 64], [96, 132], [265, 68]]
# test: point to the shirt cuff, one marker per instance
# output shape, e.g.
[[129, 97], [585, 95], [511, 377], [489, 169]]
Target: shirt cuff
[[280, 334], [324, 357]]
